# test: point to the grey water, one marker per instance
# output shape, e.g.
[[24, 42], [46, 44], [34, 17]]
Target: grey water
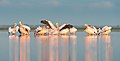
[[79, 47]]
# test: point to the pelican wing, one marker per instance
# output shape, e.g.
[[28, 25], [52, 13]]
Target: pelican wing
[[89, 30], [9, 29], [62, 26], [73, 29], [48, 23], [17, 28], [26, 27], [64, 31], [95, 30], [104, 28], [51, 24]]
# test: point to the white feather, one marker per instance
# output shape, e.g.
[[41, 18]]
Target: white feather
[[73, 29], [51, 24], [64, 31], [13, 30], [62, 26], [27, 27]]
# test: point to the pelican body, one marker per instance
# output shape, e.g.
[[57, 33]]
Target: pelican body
[[106, 30], [24, 29], [65, 28], [40, 30], [37, 30], [51, 28], [13, 30], [91, 30]]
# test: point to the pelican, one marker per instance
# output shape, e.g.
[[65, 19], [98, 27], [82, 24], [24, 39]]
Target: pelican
[[13, 30], [37, 30], [106, 30], [48, 23], [56, 30], [24, 29], [72, 29], [51, 28], [91, 30], [65, 28], [43, 30]]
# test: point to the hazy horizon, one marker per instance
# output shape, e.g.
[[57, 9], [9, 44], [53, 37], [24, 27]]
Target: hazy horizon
[[77, 12]]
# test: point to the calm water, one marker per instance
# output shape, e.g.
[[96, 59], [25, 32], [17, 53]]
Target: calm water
[[79, 47]]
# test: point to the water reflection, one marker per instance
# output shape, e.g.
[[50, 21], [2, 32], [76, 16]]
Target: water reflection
[[91, 48], [24, 48], [53, 48], [13, 48], [73, 43], [64, 48], [108, 48], [42, 46], [56, 48], [98, 48], [47, 48]]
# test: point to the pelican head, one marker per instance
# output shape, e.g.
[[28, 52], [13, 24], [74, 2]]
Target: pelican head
[[44, 21], [86, 25], [20, 23], [57, 24], [15, 24]]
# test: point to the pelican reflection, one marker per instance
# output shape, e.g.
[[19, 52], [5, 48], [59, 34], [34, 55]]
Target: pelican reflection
[[13, 48], [64, 48], [108, 48], [42, 46], [53, 48], [47, 47], [73, 42], [24, 48], [91, 48]]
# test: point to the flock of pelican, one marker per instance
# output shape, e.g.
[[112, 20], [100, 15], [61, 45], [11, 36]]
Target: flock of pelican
[[49, 29], [46, 29], [91, 30]]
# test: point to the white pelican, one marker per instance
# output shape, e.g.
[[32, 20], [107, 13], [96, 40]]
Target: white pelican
[[37, 30], [65, 28], [72, 29], [41, 30], [106, 30], [56, 30], [24, 29], [91, 30], [51, 28], [13, 30], [48, 23]]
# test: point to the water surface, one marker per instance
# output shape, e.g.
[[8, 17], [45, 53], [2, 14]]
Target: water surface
[[79, 47]]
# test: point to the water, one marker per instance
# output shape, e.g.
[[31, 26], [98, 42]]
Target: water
[[79, 47]]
